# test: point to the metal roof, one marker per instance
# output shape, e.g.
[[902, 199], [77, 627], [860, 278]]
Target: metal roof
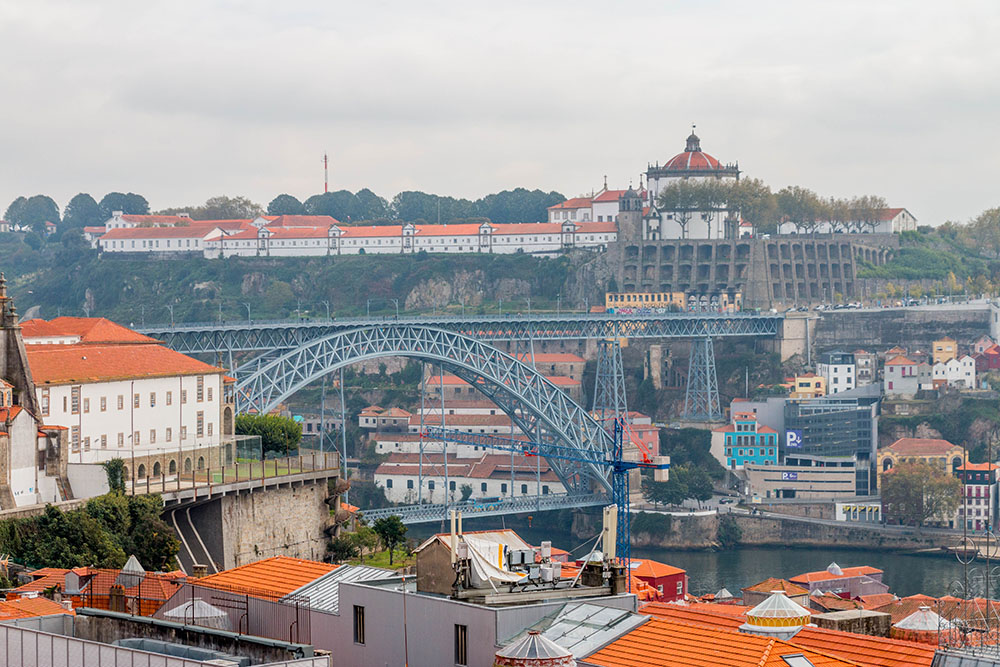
[[324, 593], [583, 628]]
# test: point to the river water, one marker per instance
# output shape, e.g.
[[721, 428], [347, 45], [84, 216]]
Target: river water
[[709, 571]]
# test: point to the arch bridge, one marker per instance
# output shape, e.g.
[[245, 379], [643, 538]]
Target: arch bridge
[[534, 404]]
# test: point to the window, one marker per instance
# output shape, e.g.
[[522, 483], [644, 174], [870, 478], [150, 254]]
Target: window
[[45, 402], [64, 404], [200, 424], [121, 439], [170, 434], [121, 402], [74, 437], [209, 393], [451, 485], [210, 429], [200, 391], [503, 488], [461, 644], [482, 487], [104, 441], [136, 439], [388, 483], [135, 401], [184, 433], [431, 485], [170, 398], [680, 588], [152, 436], [359, 624], [524, 488], [104, 403], [86, 444], [409, 483], [74, 395], [545, 489]]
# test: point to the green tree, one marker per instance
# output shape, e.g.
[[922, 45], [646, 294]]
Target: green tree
[[115, 471], [128, 203], [391, 531], [729, 532], [686, 197], [285, 205], [368, 495], [227, 208], [699, 485], [83, 211], [341, 548], [369, 206], [753, 201], [15, 211], [915, 493], [365, 540], [801, 207], [466, 490], [866, 211], [278, 435]]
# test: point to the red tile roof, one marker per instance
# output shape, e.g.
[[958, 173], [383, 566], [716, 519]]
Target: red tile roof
[[182, 232], [277, 576], [596, 227], [824, 575], [920, 446], [609, 195], [900, 361], [302, 221], [29, 607], [978, 466], [648, 568], [156, 219], [461, 229], [98, 330], [861, 649], [660, 643], [65, 364], [576, 202], [886, 214], [775, 584]]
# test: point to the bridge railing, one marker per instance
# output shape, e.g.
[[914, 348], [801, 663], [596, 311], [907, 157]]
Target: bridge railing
[[239, 470], [473, 508]]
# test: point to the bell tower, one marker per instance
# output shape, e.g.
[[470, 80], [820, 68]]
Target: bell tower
[[630, 217]]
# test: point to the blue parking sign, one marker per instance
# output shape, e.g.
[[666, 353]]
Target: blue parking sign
[[793, 439]]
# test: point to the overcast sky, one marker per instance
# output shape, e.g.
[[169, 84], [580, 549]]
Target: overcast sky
[[181, 100]]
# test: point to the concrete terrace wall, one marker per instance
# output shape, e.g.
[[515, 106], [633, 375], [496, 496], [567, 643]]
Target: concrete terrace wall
[[283, 521], [912, 328]]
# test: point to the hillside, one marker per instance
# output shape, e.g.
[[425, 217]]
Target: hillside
[[73, 281]]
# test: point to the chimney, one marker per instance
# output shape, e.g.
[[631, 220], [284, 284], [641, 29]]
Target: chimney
[[67, 605], [198, 571]]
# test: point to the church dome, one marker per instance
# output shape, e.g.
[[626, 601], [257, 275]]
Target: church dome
[[693, 158]]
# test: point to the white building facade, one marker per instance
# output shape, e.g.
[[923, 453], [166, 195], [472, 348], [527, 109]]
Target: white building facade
[[127, 397], [838, 369], [959, 373]]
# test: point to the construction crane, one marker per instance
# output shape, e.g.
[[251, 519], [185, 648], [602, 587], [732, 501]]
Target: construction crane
[[620, 469]]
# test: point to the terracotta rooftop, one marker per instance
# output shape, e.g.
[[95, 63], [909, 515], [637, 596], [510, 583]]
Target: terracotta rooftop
[[775, 584], [860, 649], [277, 576], [88, 329], [645, 567], [660, 643], [28, 607], [825, 575], [65, 364], [921, 446]]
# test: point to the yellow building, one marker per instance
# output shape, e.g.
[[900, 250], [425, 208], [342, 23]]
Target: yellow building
[[935, 452], [808, 385], [645, 300], [944, 350]]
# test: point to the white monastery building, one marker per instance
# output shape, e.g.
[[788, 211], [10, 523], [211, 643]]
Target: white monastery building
[[122, 394]]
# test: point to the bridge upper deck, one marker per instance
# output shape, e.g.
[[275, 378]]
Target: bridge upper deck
[[283, 334]]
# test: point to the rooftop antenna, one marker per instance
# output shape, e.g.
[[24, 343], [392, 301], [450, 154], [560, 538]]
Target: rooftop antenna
[[326, 175]]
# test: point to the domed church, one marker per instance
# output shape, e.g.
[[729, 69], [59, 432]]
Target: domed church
[[693, 163]]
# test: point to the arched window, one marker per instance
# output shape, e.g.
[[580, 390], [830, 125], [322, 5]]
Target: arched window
[[157, 469], [886, 465], [142, 470], [172, 468], [201, 463], [187, 465]]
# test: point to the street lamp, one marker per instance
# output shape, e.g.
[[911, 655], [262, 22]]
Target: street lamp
[[500, 306], [171, 309], [327, 304], [220, 312], [298, 309], [559, 303], [248, 311]]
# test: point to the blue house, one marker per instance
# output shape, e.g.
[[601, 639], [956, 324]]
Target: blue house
[[745, 441]]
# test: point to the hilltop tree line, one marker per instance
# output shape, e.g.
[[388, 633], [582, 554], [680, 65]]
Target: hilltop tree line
[[517, 205], [753, 200]]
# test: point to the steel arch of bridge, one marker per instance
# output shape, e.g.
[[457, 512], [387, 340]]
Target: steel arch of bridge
[[262, 336], [536, 405]]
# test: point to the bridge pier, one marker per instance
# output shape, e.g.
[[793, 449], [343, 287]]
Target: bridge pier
[[796, 336], [701, 400]]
